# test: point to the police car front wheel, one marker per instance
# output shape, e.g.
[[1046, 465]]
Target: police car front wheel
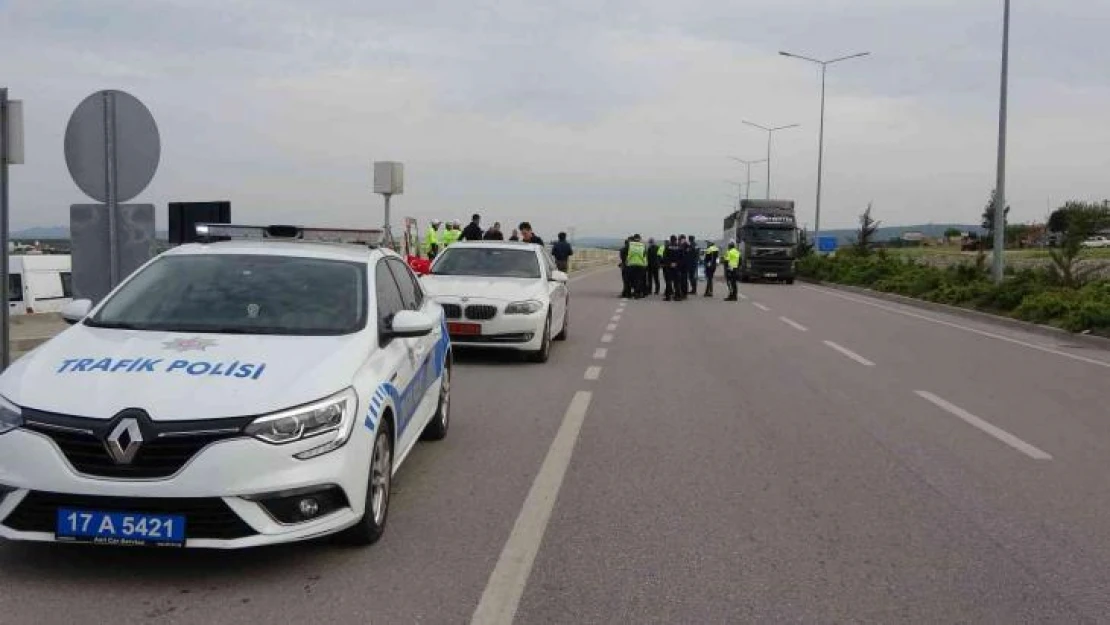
[[371, 526]]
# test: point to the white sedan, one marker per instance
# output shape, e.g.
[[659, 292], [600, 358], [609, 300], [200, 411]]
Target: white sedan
[[501, 294], [252, 391]]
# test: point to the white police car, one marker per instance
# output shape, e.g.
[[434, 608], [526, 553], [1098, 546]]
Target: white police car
[[260, 387]]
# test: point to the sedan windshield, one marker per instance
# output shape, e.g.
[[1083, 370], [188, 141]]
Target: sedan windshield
[[241, 294], [772, 236], [487, 261]]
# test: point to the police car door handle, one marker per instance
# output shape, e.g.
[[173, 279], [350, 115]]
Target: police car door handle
[[393, 378]]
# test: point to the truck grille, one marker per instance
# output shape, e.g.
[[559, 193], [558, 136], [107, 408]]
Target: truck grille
[[166, 447], [207, 517]]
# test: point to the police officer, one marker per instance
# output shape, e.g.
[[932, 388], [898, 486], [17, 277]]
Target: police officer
[[692, 265], [655, 258], [682, 281], [626, 284], [637, 267], [711, 255], [732, 270], [672, 261], [432, 240], [451, 234]]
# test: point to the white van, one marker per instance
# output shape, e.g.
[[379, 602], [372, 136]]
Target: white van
[[39, 283]]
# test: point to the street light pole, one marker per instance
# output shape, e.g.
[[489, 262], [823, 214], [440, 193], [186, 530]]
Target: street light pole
[[999, 264], [821, 133], [748, 164], [770, 132]]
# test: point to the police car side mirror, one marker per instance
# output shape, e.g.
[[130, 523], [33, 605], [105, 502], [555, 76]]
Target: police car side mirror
[[76, 310], [558, 276], [411, 323]]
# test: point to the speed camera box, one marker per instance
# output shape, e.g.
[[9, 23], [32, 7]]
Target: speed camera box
[[389, 178]]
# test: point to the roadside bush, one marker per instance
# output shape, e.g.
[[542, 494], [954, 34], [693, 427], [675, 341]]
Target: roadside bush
[[1029, 294]]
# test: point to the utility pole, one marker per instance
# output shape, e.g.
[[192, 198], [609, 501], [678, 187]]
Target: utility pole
[[770, 132], [999, 264]]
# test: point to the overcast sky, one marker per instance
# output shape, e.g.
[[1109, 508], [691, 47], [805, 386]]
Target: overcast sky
[[610, 117]]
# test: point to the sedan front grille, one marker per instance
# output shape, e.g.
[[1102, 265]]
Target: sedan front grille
[[481, 312], [452, 311], [166, 446]]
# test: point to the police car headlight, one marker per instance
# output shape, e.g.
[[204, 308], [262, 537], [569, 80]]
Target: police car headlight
[[523, 308], [332, 418], [11, 416]]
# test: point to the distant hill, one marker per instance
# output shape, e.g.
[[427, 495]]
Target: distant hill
[[885, 233]]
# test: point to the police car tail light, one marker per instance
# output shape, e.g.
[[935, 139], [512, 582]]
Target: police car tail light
[[331, 418], [523, 308], [370, 237], [11, 417]]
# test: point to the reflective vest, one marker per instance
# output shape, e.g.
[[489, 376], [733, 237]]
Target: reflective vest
[[637, 254], [451, 236], [430, 238], [733, 258], [711, 255]]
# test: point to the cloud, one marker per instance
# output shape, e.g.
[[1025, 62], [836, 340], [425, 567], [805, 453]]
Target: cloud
[[608, 116]]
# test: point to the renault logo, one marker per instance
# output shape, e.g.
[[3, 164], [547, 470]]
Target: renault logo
[[124, 441]]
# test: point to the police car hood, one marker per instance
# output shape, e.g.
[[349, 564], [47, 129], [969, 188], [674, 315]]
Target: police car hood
[[96, 372], [504, 289]]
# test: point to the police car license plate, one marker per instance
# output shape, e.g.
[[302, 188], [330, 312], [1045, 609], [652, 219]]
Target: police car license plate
[[120, 528], [464, 329]]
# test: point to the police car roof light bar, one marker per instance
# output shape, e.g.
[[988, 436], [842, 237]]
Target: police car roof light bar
[[224, 232]]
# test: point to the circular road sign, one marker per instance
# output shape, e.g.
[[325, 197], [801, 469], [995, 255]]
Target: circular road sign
[[137, 145]]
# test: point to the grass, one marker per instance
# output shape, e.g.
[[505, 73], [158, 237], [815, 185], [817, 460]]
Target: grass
[[954, 252]]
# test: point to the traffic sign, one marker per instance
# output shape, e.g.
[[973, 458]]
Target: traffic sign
[[827, 244], [112, 144]]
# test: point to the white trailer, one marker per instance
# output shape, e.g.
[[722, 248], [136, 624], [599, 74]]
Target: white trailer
[[39, 283]]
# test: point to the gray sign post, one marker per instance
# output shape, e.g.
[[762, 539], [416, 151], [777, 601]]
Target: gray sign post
[[112, 150], [11, 153]]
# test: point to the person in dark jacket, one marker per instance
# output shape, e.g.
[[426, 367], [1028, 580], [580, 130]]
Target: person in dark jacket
[[527, 235], [473, 230], [655, 258], [494, 233], [626, 288], [682, 281], [672, 274], [562, 252], [692, 265], [712, 256]]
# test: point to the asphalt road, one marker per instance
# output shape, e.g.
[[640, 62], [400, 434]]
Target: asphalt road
[[802, 455]]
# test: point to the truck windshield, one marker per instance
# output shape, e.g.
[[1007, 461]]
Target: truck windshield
[[241, 294], [772, 236]]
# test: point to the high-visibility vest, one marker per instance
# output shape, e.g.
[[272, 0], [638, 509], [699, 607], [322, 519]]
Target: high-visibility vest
[[430, 238], [637, 254], [451, 236], [733, 257]]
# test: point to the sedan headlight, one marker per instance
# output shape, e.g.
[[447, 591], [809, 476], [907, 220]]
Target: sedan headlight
[[332, 418], [11, 416], [524, 308]]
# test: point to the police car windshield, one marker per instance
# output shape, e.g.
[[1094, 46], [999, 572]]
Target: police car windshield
[[486, 261], [241, 294], [779, 236]]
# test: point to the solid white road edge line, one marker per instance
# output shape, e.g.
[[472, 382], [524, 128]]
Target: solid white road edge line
[[501, 597], [794, 324], [606, 338], [849, 353], [600, 353], [994, 431], [760, 306], [593, 373], [1041, 348]]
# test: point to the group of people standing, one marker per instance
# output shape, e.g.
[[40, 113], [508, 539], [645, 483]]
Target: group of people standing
[[678, 259], [436, 240]]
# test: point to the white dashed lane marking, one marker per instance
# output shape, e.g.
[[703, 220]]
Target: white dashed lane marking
[[611, 327], [849, 353], [606, 338], [593, 373], [760, 306], [794, 324], [994, 431], [600, 353]]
